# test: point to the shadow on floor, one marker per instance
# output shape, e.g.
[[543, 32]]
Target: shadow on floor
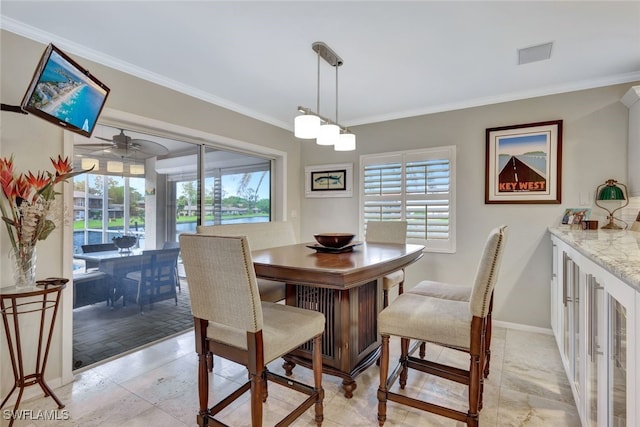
[[101, 332]]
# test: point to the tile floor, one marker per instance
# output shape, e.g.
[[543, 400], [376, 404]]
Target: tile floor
[[101, 332], [157, 386]]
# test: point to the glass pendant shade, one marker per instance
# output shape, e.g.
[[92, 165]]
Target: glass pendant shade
[[88, 163], [136, 169], [329, 134], [346, 142], [611, 192], [115, 167], [306, 126]]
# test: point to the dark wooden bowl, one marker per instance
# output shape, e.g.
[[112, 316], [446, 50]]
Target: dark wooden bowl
[[334, 240]]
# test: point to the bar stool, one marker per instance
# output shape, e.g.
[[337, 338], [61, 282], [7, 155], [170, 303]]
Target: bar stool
[[388, 232], [231, 322], [455, 292], [459, 325]]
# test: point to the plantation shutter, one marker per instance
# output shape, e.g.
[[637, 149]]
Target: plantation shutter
[[416, 186]]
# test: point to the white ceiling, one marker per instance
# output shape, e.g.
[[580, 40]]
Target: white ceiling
[[401, 59]]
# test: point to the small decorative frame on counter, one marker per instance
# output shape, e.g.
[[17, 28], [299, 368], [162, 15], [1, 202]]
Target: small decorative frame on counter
[[524, 163], [329, 180]]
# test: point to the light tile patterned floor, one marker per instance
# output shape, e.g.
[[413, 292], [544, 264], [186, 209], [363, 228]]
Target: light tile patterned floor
[[157, 386]]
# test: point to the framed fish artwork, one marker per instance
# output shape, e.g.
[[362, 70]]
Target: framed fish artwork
[[329, 180]]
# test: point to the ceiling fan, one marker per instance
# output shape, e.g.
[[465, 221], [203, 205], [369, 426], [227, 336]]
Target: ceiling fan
[[122, 146]]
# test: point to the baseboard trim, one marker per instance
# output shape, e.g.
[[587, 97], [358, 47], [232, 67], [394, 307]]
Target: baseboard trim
[[521, 327]]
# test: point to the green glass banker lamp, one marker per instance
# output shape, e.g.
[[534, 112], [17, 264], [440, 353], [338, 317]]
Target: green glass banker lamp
[[610, 191]]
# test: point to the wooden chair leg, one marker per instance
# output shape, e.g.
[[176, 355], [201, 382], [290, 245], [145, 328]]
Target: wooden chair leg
[[423, 350], [475, 371], [385, 298], [404, 361], [203, 374], [210, 362], [382, 389], [317, 378], [487, 341], [257, 393]]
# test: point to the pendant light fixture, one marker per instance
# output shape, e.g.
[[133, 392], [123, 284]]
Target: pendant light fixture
[[311, 124], [307, 125]]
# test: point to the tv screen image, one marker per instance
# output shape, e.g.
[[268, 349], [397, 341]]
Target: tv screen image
[[64, 93]]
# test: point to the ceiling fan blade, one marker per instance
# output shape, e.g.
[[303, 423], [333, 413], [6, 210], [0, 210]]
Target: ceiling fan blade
[[122, 153], [150, 147], [93, 147], [124, 147]]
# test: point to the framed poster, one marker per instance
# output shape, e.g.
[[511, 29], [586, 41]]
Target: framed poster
[[524, 163], [329, 180]]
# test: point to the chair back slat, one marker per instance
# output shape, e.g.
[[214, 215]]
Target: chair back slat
[[386, 231], [487, 272], [222, 281]]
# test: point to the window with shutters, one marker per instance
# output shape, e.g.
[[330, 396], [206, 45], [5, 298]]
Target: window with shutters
[[417, 186]]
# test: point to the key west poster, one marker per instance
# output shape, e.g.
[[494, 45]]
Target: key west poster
[[523, 163]]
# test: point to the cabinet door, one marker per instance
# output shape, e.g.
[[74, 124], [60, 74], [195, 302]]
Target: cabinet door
[[576, 329], [595, 344], [618, 392], [554, 289], [567, 268], [572, 354]]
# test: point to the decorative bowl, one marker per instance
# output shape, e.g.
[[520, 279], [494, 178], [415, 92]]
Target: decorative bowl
[[334, 240], [124, 242]]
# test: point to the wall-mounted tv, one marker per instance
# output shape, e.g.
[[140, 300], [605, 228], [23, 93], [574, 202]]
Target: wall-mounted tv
[[64, 93]]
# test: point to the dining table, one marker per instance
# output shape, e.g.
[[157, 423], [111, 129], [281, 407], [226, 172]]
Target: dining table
[[116, 265], [346, 286]]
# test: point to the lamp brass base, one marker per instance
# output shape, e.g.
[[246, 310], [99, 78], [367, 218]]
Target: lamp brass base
[[611, 226]]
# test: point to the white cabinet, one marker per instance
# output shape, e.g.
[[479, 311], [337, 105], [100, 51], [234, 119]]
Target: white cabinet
[[596, 320], [632, 100]]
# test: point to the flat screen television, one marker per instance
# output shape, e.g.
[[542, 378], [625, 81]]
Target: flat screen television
[[64, 93]]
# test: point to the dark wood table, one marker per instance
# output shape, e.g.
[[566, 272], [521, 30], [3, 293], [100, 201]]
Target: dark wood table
[[347, 289], [116, 265]]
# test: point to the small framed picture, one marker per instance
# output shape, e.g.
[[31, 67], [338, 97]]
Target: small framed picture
[[575, 215], [329, 180]]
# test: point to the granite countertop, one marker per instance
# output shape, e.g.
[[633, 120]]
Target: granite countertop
[[618, 251]]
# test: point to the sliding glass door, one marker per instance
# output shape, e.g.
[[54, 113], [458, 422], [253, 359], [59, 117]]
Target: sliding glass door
[[153, 188]]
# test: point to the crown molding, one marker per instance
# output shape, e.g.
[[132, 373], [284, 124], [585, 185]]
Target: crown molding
[[82, 51]]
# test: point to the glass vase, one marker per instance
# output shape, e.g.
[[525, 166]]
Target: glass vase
[[23, 260]]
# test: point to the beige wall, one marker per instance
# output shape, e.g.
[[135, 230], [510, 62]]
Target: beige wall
[[33, 141], [594, 149]]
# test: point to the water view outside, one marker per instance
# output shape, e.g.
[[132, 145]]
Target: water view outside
[[94, 237], [232, 198]]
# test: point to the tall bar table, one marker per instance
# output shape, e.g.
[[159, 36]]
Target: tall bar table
[[347, 288], [40, 300]]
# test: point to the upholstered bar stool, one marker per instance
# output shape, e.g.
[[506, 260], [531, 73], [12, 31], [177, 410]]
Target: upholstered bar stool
[[459, 325], [261, 235], [388, 232], [455, 292], [231, 322]]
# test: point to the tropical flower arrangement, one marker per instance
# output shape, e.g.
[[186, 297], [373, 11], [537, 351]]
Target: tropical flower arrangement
[[26, 208]]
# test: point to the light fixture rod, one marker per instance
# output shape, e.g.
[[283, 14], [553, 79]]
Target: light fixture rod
[[336, 94], [318, 84], [327, 54]]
